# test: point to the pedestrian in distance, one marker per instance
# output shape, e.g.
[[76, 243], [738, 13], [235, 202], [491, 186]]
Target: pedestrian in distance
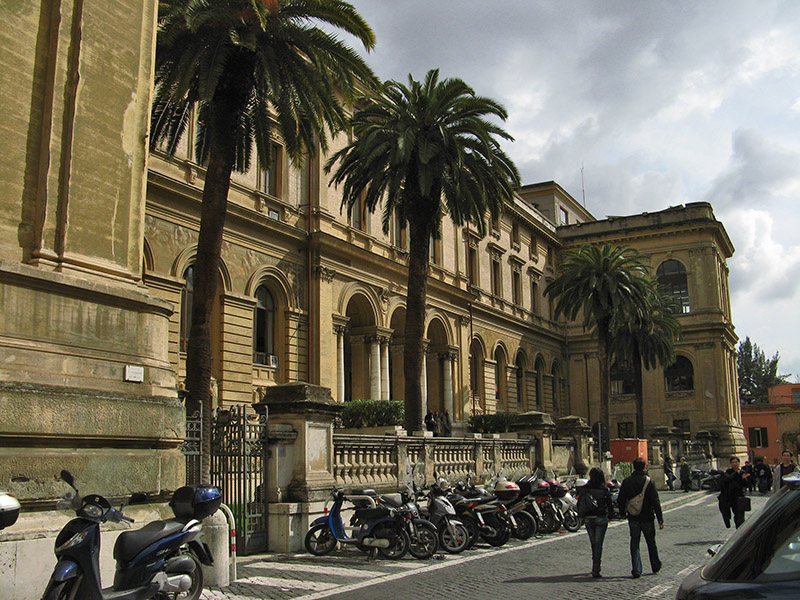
[[686, 475], [596, 508], [731, 495], [763, 475], [669, 474], [447, 423], [750, 482], [430, 424], [437, 424], [638, 499], [785, 467]]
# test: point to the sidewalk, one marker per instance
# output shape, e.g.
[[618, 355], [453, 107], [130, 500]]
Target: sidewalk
[[301, 575]]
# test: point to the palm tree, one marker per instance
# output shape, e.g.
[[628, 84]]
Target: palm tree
[[609, 285], [647, 340], [251, 67], [422, 149]]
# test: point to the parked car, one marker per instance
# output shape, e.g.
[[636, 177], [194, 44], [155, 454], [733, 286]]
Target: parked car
[[760, 560]]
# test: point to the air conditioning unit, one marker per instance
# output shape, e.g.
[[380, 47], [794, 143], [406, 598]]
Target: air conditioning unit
[[272, 361]]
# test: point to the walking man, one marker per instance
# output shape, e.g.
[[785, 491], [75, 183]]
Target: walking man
[[784, 468], [686, 475], [642, 511]]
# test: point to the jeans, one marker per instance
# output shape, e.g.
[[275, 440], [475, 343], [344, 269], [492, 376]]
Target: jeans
[[648, 528], [596, 528]]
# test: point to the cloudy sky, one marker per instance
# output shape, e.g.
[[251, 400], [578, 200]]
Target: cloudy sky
[[661, 103]]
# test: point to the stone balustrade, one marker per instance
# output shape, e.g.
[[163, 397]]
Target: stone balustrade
[[380, 461]]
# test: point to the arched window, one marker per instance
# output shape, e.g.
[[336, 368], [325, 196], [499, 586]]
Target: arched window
[[672, 278], [501, 393], [264, 328], [186, 307], [679, 376]]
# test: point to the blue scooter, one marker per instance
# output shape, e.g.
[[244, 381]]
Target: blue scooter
[[161, 560], [373, 527]]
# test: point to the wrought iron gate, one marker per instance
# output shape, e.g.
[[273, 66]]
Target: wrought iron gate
[[238, 468]]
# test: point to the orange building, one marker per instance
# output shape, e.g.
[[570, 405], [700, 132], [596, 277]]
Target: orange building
[[774, 426]]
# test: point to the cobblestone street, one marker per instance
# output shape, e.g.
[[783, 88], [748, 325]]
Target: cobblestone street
[[551, 564]]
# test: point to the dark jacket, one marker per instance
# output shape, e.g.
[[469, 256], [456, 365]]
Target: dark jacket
[[731, 486], [632, 486], [602, 495]]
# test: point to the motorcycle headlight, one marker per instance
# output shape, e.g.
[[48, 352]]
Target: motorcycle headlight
[[73, 541]]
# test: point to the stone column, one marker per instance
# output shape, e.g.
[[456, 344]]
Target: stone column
[[541, 426], [375, 368], [447, 371], [385, 368], [423, 380], [340, 329]]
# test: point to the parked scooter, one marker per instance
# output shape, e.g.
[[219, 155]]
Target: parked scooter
[[376, 527], [422, 533], [453, 534], [161, 560]]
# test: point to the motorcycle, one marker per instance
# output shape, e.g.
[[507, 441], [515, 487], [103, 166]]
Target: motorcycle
[[422, 533], [495, 524], [375, 527], [453, 534], [161, 560]]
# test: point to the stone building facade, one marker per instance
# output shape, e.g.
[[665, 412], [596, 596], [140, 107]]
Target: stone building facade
[[96, 253]]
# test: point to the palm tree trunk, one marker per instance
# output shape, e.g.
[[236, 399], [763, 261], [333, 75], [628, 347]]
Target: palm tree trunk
[[604, 361], [415, 323], [639, 390], [206, 277]]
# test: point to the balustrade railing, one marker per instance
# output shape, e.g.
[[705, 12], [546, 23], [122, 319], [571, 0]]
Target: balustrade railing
[[380, 461]]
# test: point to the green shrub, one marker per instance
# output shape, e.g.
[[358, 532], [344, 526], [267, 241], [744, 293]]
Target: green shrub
[[622, 470], [492, 423], [358, 414]]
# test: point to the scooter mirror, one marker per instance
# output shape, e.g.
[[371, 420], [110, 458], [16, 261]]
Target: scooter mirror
[[67, 477]]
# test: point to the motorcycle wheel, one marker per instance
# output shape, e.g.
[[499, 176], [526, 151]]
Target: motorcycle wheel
[[572, 522], [425, 543], [454, 541], [500, 536], [549, 522], [399, 544], [194, 591], [472, 529], [320, 540], [526, 526], [60, 591]]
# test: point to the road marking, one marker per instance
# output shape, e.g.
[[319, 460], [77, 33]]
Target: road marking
[[686, 571], [656, 591], [315, 568], [294, 584]]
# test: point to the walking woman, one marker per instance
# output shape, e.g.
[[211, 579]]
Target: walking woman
[[594, 500]]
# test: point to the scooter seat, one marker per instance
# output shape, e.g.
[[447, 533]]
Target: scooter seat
[[370, 514], [130, 543], [395, 500]]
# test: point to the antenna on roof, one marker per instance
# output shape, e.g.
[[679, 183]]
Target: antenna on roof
[[583, 187]]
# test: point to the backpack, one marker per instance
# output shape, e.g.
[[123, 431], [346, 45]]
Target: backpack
[[634, 506], [587, 504]]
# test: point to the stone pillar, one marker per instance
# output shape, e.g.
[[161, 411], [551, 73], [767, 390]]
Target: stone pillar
[[423, 381], [301, 476], [577, 429], [340, 363], [447, 372], [385, 368], [541, 426], [375, 368]]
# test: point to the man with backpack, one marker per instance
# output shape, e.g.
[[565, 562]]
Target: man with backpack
[[638, 499]]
